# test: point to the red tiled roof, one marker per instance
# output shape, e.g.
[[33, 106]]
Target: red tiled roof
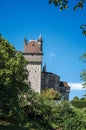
[[32, 47]]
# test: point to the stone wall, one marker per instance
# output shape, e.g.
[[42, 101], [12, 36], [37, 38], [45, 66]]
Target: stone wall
[[33, 57], [50, 80], [34, 77]]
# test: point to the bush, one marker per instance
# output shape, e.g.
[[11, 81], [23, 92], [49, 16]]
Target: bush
[[79, 103]]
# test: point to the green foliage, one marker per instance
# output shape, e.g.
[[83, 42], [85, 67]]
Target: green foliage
[[83, 77], [63, 4], [79, 4], [83, 27], [83, 57], [53, 116], [44, 114], [12, 80], [79, 103], [75, 98], [39, 108], [51, 94], [83, 73], [83, 114], [5, 125], [69, 117]]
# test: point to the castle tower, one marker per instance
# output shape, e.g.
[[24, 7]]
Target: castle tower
[[33, 54]]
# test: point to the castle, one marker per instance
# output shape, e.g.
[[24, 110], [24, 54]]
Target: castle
[[38, 79]]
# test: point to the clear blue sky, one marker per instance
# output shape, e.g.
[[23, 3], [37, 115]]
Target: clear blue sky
[[63, 42]]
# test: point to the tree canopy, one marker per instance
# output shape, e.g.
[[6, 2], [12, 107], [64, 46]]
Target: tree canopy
[[51, 94], [83, 75], [12, 78], [63, 4]]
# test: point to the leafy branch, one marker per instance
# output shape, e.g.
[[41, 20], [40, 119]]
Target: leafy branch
[[63, 4]]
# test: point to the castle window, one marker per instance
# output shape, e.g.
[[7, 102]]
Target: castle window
[[35, 71], [32, 44]]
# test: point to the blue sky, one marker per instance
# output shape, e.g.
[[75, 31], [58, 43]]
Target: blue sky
[[63, 42]]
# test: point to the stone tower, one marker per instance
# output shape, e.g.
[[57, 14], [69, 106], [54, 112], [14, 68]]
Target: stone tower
[[33, 54]]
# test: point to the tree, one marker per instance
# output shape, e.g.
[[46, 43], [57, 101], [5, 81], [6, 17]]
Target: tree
[[83, 73], [12, 80], [62, 4], [51, 94], [70, 118], [76, 98]]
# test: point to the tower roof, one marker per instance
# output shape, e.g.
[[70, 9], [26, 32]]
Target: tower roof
[[40, 38], [32, 47]]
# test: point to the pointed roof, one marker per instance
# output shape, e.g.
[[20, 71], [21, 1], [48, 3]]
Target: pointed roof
[[40, 38], [32, 47], [44, 68]]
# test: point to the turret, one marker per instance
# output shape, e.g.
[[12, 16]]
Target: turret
[[44, 68], [25, 42], [40, 41]]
